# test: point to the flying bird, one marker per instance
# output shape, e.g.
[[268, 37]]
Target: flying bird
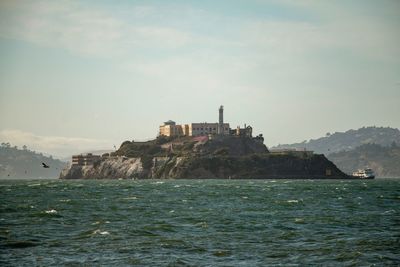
[[45, 165]]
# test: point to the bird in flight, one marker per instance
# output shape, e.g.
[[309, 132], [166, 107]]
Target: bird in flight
[[45, 165]]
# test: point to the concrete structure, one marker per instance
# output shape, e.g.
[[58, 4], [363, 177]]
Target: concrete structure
[[196, 129], [221, 121], [246, 131], [85, 159], [193, 129], [170, 128]]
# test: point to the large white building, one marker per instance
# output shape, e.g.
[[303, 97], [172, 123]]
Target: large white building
[[170, 128]]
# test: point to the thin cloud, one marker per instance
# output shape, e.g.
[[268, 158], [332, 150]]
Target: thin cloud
[[83, 30]]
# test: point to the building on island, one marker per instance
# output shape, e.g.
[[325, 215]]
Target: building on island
[[170, 128], [192, 129], [85, 159], [246, 131]]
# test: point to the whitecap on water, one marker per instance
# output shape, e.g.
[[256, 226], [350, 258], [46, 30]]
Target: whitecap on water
[[31, 185], [130, 198], [98, 231], [245, 197], [202, 224], [52, 211], [177, 186], [389, 212], [292, 201], [65, 200]]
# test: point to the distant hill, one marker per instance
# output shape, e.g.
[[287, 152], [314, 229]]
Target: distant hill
[[384, 160], [349, 140], [23, 163]]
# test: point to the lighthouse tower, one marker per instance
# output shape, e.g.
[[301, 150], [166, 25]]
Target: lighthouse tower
[[221, 121]]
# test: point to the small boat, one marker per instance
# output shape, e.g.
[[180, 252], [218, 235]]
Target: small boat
[[364, 174]]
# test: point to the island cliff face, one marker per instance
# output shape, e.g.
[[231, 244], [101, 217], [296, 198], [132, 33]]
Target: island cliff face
[[108, 168], [191, 158]]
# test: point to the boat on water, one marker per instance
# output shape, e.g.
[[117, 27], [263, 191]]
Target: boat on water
[[364, 174]]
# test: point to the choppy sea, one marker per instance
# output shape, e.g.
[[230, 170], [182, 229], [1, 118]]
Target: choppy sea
[[200, 222]]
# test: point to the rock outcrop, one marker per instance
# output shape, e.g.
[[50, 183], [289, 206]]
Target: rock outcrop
[[109, 168], [212, 161]]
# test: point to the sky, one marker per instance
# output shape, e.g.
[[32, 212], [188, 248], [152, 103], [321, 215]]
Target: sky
[[86, 75]]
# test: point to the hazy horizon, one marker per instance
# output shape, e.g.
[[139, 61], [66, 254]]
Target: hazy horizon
[[87, 75]]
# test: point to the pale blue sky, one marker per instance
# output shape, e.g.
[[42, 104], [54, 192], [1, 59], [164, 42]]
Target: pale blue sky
[[79, 75]]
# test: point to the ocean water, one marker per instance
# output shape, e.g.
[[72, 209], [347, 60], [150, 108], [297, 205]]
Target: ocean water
[[200, 223]]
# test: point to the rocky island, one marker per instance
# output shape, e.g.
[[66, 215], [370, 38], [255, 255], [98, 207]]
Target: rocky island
[[196, 158], [202, 151]]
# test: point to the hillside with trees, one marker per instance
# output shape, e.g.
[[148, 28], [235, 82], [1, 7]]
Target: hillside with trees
[[374, 147], [24, 163], [384, 160], [349, 140]]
